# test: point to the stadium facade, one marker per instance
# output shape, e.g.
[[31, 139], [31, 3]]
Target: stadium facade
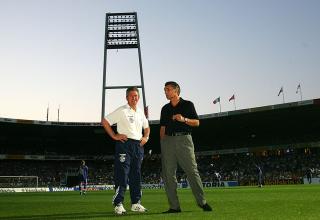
[[290, 125], [233, 141]]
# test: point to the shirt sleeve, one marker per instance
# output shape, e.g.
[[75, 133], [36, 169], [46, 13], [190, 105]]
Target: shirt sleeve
[[193, 113], [145, 123], [113, 117]]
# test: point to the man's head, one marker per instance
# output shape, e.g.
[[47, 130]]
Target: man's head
[[171, 89], [132, 96], [83, 162], [174, 85]]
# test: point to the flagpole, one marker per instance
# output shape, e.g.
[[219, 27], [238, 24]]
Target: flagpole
[[300, 93], [233, 97], [281, 91], [59, 113], [48, 112]]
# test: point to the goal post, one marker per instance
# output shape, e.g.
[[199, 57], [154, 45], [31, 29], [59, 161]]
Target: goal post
[[19, 181]]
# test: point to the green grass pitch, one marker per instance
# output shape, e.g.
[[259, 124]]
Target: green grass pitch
[[269, 202]]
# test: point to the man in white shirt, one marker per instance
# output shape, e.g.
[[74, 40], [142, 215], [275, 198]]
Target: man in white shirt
[[130, 121]]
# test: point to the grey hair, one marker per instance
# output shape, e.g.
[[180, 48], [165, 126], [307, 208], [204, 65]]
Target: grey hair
[[132, 88], [174, 85]]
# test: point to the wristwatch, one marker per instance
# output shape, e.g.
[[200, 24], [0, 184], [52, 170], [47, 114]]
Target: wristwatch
[[186, 120]]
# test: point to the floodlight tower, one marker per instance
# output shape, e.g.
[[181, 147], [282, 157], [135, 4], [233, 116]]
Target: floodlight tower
[[121, 32]]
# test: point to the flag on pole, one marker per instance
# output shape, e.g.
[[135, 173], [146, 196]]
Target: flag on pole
[[281, 90], [232, 98], [216, 100], [299, 87]]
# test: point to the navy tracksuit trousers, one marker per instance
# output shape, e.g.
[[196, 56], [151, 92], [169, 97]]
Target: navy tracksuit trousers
[[127, 170]]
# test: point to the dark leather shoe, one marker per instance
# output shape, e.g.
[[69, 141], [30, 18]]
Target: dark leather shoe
[[172, 211], [206, 208]]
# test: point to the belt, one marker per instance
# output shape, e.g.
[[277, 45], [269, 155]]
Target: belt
[[179, 133], [134, 140]]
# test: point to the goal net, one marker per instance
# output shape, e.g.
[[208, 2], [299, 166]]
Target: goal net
[[18, 181]]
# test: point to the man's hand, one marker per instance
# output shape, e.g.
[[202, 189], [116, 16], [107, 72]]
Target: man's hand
[[120, 137], [117, 137], [178, 117], [143, 141]]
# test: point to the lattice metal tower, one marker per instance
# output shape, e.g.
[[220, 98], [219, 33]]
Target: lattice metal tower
[[121, 32]]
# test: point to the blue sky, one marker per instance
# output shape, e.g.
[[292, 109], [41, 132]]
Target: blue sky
[[51, 51]]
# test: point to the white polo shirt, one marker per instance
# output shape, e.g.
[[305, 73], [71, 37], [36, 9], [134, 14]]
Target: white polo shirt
[[129, 122]]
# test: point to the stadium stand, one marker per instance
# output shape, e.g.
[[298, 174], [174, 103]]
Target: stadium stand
[[284, 139]]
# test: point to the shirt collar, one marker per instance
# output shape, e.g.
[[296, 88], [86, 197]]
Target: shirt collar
[[131, 109], [181, 100]]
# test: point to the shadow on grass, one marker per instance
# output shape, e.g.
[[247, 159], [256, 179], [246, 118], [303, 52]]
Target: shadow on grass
[[79, 215]]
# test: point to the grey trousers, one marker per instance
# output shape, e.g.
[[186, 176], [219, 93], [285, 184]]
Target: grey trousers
[[180, 150]]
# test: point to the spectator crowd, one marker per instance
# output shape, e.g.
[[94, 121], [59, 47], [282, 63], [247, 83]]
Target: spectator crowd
[[278, 167]]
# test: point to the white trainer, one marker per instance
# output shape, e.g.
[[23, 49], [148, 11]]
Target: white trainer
[[119, 210], [138, 208]]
